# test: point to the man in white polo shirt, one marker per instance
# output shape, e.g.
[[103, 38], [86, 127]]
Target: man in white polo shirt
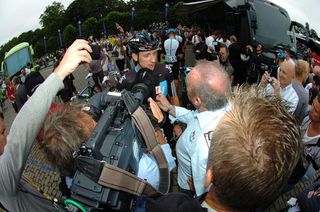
[[282, 87]]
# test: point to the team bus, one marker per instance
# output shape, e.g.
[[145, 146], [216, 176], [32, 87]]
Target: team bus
[[17, 58]]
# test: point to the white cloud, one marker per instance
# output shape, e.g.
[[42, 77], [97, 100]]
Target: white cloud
[[18, 16], [302, 11]]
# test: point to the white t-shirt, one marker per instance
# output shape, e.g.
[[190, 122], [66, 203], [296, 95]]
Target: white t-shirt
[[211, 42], [118, 49]]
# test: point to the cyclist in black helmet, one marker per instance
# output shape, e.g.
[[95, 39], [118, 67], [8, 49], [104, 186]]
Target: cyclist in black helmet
[[143, 51]]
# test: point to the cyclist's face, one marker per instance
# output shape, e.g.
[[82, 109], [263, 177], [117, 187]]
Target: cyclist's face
[[147, 59]]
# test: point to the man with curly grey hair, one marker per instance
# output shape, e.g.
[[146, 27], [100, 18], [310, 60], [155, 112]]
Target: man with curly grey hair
[[207, 87]]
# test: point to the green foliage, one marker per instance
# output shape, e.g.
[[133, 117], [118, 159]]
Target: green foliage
[[38, 48], [84, 9], [53, 43], [53, 18], [123, 19], [91, 27], [152, 16], [70, 33], [91, 12]]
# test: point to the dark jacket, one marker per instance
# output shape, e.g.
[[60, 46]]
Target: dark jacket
[[20, 96], [175, 202]]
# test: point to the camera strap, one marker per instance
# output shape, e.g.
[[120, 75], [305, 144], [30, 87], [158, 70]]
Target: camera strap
[[143, 123], [119, 179]]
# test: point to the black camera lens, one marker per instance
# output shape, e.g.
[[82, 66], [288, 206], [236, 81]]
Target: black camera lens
[[95, 54]]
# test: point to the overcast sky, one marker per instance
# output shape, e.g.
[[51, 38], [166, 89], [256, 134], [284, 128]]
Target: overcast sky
[[18, 16]]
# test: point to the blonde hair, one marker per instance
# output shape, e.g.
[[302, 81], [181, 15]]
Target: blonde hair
[[255, 148], [301, 68]]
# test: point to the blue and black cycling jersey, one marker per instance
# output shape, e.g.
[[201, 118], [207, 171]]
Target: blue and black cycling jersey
[[160, 76]]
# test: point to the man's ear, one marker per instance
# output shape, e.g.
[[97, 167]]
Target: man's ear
[[134, 57], [209, 178], [197, 101]]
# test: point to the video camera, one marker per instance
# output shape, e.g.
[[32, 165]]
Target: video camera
[[116, 141]]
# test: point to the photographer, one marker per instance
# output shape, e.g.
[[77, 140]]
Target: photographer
[[16, 195], [282, 87], [70, 125], [224, 61], [247, 167]]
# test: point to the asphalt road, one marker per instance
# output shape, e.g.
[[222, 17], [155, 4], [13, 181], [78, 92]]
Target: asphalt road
[[79, 82]]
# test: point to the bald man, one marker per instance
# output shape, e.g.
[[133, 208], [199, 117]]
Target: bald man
[[207, 89], [282, 87]]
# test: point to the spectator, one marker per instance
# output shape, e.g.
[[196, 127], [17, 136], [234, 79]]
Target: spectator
[[213, 42], [247, 167], [282, 87], [257, 70], [224, 61], [200, 48], [313, 88], [235, 61], [28, 68], [96, 70], [10, 92], [225, 40], [195, 38], [120, 52], [15, 194], [23, 75], [311, 140], [20, 94], [32, 82], [301, 74], [171, 48], [207, 88], [288, 56]]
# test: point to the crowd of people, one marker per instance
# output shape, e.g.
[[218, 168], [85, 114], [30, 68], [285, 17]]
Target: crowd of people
[[250, 132]]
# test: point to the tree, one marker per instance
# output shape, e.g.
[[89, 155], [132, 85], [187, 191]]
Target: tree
[[117, 17], [144, 18], [53, 18], [38, 48], [53, 43], [90, 27], [69, 34], [84, 9]]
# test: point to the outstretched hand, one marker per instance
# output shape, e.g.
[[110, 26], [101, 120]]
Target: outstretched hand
[[163, 102], [78, 52]]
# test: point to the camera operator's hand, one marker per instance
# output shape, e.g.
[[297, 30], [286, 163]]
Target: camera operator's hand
[[78, 52], [165, 105], [265, 79], [276, 86]]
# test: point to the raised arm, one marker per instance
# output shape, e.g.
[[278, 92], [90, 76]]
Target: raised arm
[[26, 126]]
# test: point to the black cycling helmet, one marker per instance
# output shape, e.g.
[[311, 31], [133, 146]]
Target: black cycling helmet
[[142, 42]]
